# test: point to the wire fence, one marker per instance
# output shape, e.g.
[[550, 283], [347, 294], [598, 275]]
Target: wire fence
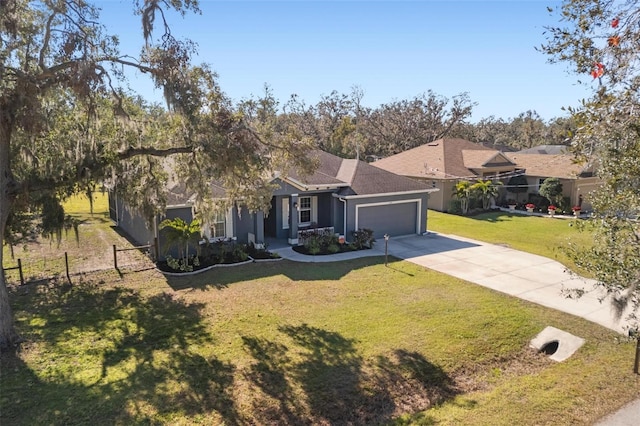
[[45, 267]]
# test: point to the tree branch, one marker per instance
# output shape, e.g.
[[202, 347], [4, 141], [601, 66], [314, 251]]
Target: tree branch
[[45, 41], [156, 152]]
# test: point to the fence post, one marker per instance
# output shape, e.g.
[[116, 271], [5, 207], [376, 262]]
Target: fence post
[[20, 270], [66, 265], [115, 257], [636, 364], [155, 247]]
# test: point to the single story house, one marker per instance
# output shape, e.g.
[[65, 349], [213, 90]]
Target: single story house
[[577, 179], [342, 196], [444, 162]]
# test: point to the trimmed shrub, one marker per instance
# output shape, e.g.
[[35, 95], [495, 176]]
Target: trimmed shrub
[[455, 206], [362, 238]]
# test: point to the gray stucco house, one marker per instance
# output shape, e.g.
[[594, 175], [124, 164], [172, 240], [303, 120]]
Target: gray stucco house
[[342, 195]]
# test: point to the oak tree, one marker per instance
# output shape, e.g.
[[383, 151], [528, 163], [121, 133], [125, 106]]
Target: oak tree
[[69, 121]]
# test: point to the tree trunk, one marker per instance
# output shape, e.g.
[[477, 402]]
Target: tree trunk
[[8, 335]]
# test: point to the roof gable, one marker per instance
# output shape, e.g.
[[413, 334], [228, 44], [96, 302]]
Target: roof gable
[[478, 159]]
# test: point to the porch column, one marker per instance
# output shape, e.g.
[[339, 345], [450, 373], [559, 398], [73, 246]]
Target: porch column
[[259, 227], [293, 226]]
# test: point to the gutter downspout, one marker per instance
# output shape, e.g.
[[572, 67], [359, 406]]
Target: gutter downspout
[[344, 218]]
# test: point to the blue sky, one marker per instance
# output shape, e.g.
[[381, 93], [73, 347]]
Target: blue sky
[[391, 50]]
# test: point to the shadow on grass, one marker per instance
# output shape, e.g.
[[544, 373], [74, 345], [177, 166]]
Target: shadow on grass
[[111, 356], [320, 378], [221, 278], [494, 216], [96, 217]]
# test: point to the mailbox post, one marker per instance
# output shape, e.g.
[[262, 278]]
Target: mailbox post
[[386, 248]]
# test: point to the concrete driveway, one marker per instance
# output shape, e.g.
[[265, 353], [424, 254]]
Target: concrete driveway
[[527, 276], [534, 278]]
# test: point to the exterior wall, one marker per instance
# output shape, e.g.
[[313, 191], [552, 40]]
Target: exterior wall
[[447, 193], [244, 223], [338, 216], [285, 189], [352, 203], [584, 186], [273, 219], [325, 211], [184, 213], [130, 221], [436, 200], [439, 200]]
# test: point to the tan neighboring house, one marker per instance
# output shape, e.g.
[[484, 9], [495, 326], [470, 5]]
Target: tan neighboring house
[[444, 162], [578, 180]]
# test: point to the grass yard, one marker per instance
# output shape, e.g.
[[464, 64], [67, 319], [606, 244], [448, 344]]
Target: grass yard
[[540, 235], [287, 343], [92, 251]]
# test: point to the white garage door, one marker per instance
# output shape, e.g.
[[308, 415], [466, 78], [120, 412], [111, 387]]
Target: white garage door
[[393, 219]]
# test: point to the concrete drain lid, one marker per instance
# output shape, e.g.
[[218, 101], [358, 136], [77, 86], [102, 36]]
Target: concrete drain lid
[[558, 344]]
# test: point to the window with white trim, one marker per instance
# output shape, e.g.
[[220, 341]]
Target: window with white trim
[[304, 210], [307, 210], [217, 226]]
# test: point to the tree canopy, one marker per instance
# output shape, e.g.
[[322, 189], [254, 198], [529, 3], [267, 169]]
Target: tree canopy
[[600, 41], [68, 121], [551, 189]]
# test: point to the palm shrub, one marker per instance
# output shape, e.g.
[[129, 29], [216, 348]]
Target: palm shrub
[[462, 191], [181, 235], [485, 190]]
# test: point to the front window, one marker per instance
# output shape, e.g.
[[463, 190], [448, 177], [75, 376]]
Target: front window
[[304, 210], [218, 225]]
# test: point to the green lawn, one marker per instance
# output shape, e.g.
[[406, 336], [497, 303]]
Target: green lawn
[[287, 343], [541, 235]]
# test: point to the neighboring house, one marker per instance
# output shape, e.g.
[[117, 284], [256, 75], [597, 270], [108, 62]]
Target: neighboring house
[[578, 180], [444, 162], [342, 195]]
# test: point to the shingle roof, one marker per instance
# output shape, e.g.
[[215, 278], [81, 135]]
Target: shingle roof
[[548, 165], [351, 177], [441, 159], [370, 180], [356, 177], [325, 175], [546, 149]]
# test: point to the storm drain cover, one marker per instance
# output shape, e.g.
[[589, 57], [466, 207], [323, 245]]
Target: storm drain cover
[[558, 344]]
